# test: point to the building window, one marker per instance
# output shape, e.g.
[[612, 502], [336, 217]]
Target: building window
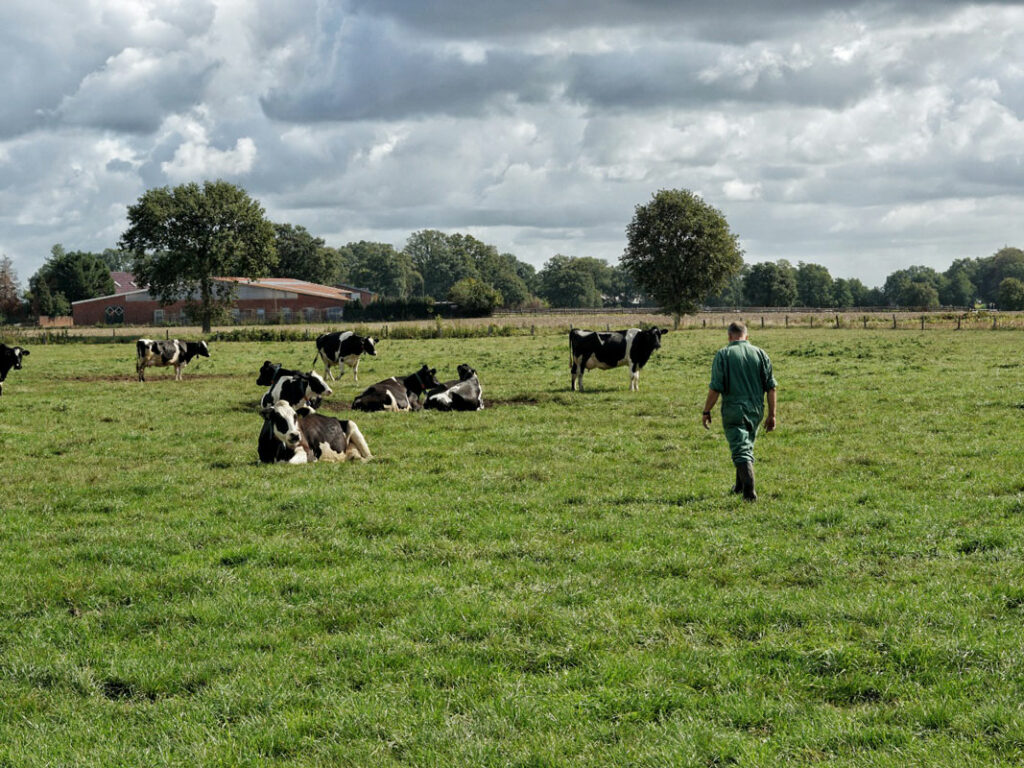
[[114, 314], [158, 316], [334, 314], [261, 315]]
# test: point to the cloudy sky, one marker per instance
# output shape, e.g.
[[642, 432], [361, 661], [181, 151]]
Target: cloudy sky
[[863, 136]]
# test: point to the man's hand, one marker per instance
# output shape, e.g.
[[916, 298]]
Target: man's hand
[[769, 424], [706, 419]]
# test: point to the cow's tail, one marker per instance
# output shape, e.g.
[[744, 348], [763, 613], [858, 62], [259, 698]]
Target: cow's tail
[[312, 366], [355, 438]]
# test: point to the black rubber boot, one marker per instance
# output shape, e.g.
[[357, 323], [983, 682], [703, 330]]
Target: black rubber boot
[[738, 488], [747, 471]]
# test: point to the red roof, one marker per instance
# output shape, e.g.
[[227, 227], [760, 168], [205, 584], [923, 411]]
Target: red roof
[[124, 282]]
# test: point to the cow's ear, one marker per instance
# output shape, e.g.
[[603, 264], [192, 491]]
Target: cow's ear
[[25, 352], [304, 410], [662, 331], [267, 411], [433, 371]]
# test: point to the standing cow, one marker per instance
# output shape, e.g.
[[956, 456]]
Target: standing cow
[[10, 357], [601, 349], [343, 348], [171, 352]]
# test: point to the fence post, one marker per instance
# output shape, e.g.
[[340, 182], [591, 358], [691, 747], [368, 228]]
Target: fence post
[[922, 322], [704, 323], [762, 321], [958, 322], [837, 319], [894, 322], [995, 322], [787, 321], [865, 319], [812, 321]]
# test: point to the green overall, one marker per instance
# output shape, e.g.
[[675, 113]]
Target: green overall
[[742, 374]]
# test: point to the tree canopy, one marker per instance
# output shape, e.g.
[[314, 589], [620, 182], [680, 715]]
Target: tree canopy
[[68, 276], [184, 237], [680, 250]]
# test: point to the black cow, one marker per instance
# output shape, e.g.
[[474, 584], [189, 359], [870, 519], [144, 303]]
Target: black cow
[[343, 348], [600, 349], [10, 357], [397, 394], [172, 352], [302, 436], [465, 394], [294, 387]]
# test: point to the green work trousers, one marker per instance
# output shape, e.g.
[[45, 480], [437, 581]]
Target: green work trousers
[[741, 418]]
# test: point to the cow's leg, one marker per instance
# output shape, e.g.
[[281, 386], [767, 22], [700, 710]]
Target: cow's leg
[[574, 368], [357, 447], [327, 367], [140, 368], [355, 371], [634, 379], [177, 373]]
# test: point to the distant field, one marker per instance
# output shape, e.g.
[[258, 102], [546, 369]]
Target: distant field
[[561, 579]]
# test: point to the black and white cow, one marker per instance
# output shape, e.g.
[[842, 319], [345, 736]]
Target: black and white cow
[[343, 348], [465, 394], [397, 394], [10, 357], [294, 387], [601, 349], [171, 352], [302, 436]]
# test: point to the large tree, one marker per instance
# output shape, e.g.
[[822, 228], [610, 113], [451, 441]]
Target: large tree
[[1011, 294], [770, 284], [813, 285], [441, 259], [68, 276], [186, 236], [302, 256], [680, 250], [567, 281], [381, 269]]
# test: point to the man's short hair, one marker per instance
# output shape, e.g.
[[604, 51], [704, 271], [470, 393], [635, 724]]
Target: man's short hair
[[737, 328]]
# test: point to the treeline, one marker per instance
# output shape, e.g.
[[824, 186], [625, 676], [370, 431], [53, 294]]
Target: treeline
[[996, 281], [432, 267]]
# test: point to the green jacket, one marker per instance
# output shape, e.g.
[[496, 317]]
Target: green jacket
[[742, 372]]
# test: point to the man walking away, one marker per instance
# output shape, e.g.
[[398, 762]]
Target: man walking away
[[741, 374]]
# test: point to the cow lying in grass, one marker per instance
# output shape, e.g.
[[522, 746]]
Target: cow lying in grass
[[398, 394], [302, 436], [294, 387], [465, 394]]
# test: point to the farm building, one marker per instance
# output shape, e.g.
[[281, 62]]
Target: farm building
[[256, 301]]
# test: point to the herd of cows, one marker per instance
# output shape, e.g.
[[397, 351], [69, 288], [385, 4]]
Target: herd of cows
[[294, 433]]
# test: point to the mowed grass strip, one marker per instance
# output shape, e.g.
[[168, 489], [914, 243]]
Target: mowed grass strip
[[561, 579]]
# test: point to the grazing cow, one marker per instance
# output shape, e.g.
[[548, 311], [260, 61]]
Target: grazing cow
[[302, 436], [397, 394], [600, 349], [462, 395], [10, 357], [343, 348], [294, 387], [172, 352]]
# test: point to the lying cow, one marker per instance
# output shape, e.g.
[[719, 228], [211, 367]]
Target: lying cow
[[465, 394], [397, 394], [10, 357], [302, 436], [341, 349], [600, 349], [172, 352], [294, 387]]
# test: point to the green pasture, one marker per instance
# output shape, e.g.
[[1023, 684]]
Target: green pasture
[[560, 579]]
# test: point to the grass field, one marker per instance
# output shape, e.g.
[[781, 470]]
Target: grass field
[[561, 579]]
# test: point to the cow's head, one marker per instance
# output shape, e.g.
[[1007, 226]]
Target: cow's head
[[427, 377], [656, 333], [465, 372], [202, 349], [317, 384], [284, 420], [18, 354], [370, 346], [267, 373]]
